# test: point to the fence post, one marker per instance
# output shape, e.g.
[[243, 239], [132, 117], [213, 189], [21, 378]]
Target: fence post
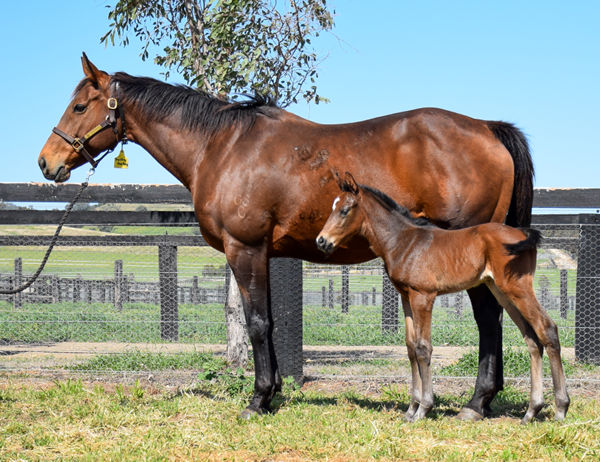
[[459, 304], [324, 296], [564, 295], [18, 280], [77, 285], [118, 285], [389, 307], [167, 275], [345, 288], [330, 287], [587, 308], [286, 308], [195, 299]]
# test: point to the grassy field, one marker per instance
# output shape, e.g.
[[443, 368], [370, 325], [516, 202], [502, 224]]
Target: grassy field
[[138, 322], [71, 420]]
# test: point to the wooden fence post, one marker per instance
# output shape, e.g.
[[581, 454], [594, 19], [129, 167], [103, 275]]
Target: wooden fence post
[[345, 288], [167, 273], [18, 280], [118, 298], [587, 312], [330, 287], [195, 294]]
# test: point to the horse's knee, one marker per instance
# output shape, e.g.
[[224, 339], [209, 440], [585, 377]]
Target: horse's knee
[[258, 327]]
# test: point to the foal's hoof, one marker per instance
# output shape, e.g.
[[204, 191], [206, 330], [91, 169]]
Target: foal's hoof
[[469, 415]]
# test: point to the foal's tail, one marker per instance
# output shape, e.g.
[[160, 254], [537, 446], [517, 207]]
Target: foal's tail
[[533, 239], [513, 139]]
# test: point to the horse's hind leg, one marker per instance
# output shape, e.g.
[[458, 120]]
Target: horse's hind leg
[[520, 292], [421, 306], [415, 394], [250, 268], [536, 349], [490, 378]]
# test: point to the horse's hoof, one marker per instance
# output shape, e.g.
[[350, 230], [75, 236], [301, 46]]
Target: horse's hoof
[[249, 413], [469, 415]]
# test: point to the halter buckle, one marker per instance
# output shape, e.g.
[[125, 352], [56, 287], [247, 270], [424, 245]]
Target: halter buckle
[[112, 103], [77, 145]]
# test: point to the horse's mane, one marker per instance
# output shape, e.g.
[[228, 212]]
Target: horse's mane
[[393, 207], [197, 110]]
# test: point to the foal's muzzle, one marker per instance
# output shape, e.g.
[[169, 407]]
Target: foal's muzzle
[[324, 245]]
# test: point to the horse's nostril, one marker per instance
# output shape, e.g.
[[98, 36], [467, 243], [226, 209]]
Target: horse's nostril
[[42, 163], [320, 241]]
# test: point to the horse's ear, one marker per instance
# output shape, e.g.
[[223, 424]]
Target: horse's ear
[[92, 73], [350, 183]]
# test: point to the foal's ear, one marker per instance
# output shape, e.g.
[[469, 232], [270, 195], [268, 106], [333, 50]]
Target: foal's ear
[[350, 184], [93, 74], [338, 180]]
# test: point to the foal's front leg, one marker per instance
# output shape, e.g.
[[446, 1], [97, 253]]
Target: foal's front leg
[[415, 393], [421, 305]]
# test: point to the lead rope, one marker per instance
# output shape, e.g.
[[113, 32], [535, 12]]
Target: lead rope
[[54, 238]]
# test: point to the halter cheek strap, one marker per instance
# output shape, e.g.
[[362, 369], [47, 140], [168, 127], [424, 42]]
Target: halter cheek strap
[[78, 144]]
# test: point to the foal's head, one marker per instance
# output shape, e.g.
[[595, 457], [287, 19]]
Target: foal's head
[[346, 216]]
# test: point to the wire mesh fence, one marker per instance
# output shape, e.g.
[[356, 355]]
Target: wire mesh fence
[[115, 301]]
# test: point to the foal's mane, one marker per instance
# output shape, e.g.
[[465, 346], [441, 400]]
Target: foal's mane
[[197, 109], [393, 207]]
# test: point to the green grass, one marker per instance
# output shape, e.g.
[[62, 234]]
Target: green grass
[[78, 421], [139, 322], [144, 361], [516, 364]]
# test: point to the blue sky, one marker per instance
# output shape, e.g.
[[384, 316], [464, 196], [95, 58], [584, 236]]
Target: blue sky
[[535, 63]]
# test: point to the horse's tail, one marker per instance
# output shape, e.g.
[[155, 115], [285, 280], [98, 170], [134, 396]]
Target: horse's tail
[[533, 239], [513, 139]]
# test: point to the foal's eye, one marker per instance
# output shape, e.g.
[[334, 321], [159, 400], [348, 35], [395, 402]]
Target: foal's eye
[[79, 108], [345, 211]]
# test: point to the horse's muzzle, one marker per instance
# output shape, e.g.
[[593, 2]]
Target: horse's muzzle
[[58, 174], [324, 245]]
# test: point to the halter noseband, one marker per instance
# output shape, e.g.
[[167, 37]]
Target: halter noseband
[[114, 111]]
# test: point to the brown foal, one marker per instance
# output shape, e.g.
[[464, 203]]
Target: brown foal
[[424, 261]]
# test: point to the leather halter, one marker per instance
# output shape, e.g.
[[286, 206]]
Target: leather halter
[[114, 111]]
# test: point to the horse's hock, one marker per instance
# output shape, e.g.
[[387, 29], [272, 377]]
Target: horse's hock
[[138, 290]]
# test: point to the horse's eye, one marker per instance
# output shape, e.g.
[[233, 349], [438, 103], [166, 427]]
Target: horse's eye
[[79, 108], [345, 211]]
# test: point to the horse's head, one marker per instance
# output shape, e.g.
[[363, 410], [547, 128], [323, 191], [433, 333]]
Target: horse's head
[[345, 219], [80, 135]]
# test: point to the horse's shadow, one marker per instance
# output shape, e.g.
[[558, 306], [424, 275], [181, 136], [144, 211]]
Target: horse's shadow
[[445, 406]]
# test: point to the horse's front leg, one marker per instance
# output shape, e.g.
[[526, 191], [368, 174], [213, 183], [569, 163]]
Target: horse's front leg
[[415, 393], [421, 305], [251, 270]]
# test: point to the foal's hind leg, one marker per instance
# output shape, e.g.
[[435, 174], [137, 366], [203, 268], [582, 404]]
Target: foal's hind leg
[[521, 294], [421, 305], [536, 349], [415, 394]]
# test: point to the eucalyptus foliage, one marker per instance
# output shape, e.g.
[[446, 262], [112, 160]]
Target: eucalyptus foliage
[[228, 47]]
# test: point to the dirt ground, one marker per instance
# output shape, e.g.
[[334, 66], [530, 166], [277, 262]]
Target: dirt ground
[[326, 368]]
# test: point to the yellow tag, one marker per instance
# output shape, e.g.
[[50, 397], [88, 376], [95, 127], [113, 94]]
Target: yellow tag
[[121, 161]]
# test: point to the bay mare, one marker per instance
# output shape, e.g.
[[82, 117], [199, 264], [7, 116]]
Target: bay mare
[[424, 261], [260, 179]]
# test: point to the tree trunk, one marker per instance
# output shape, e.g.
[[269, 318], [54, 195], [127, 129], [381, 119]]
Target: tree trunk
[[237, 339]]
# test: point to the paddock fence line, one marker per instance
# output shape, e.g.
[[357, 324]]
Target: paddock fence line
[[123, 285]]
